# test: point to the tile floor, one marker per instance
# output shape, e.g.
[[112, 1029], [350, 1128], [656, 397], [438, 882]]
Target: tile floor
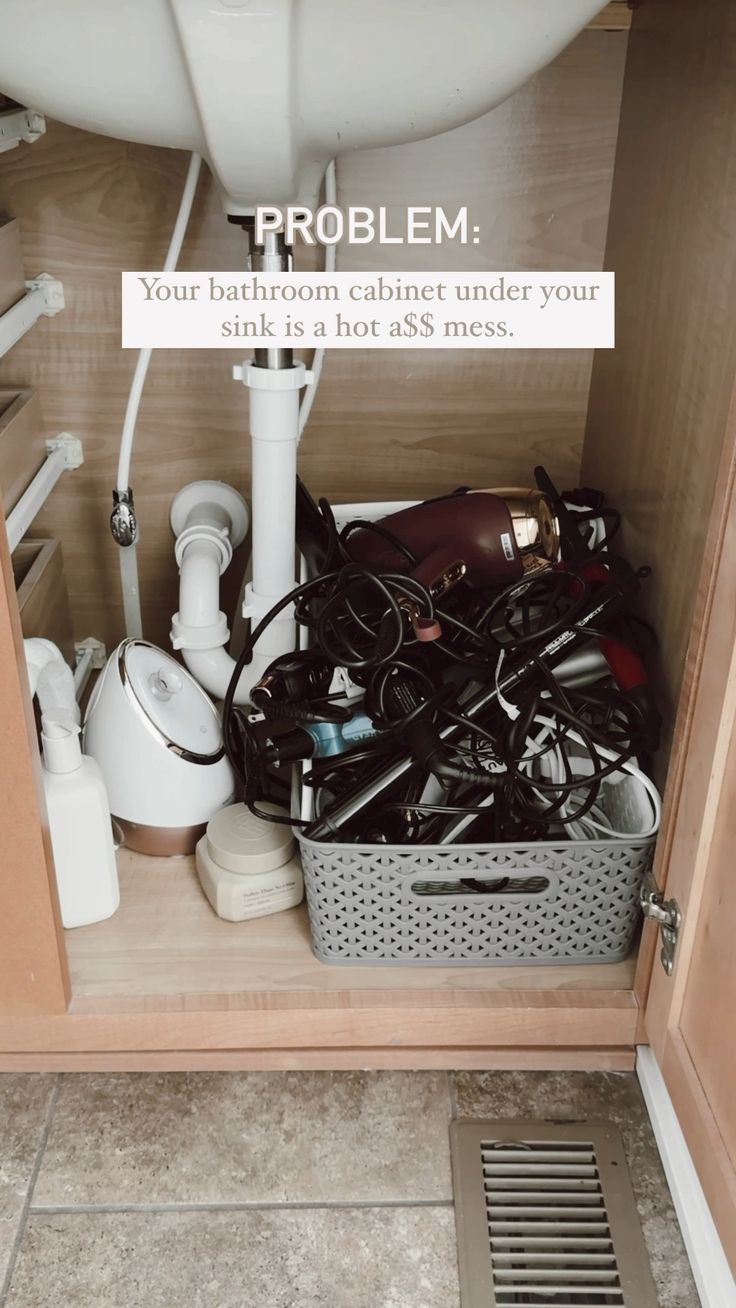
[[271, 1190]]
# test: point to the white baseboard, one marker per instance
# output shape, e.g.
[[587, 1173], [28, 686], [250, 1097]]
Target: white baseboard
[[711, 1271]]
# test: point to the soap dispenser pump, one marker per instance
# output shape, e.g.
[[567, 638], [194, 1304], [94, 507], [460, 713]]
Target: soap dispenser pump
[[81, 830]]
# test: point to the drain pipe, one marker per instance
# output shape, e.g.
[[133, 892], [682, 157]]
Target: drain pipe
[[208, 523], [209, 520], [274, 379]]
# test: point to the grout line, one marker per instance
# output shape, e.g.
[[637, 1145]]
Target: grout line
[[27, 1203], [452, 1094], [57, 1210]]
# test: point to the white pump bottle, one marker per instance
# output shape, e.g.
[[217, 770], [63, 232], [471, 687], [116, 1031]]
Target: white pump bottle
[[81, 831], [76, 799]]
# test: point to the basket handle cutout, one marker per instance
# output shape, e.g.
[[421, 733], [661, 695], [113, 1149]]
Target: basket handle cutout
[[523, 882]]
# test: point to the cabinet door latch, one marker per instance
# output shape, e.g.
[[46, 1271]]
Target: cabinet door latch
[[667, 913]]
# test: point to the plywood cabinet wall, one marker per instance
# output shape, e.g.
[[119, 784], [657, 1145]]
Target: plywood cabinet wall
[[537, 175]]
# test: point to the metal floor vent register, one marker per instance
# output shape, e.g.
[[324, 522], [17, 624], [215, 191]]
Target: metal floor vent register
[[546, 1217]]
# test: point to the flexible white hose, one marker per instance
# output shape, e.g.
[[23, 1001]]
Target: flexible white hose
[[128, 557], [144, 357], [318, 362], [131, 593]]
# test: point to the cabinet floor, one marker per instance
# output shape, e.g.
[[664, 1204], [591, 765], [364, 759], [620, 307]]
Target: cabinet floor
[[165, 941]]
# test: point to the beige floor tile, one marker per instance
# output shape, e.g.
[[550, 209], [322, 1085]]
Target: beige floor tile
[[304, 1258], [600, 1096], [24, 1102], [260, 1138]]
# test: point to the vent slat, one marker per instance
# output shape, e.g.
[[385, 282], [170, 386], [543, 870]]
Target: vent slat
[[554, 1183], [558, 1236], [529, 1285], [539, 1156], [563, 1205], [611, 1299], [559, 1241], [552, 1258], [573, 1197], [540, 1169], [569, 1277], [542, 1146]]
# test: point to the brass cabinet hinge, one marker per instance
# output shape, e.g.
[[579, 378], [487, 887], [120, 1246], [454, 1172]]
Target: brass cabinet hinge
[[666, 912]]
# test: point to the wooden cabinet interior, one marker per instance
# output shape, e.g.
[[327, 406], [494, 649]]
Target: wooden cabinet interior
[[43, 601], [537, 173], [12, 280], [22, 448], [164, 979]]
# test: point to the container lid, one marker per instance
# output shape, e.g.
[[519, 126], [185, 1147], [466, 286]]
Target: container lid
[[239, 842], [172, 701]]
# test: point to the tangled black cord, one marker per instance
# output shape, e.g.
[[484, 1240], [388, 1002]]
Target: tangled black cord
[[360, 618], [493, 764]]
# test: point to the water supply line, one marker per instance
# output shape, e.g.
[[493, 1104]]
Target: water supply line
[[123, 522]]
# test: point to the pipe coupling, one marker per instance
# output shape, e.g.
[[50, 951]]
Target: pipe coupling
[[123, 522], [217, 536]]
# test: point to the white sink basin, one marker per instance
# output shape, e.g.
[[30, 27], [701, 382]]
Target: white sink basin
[[269, 90]]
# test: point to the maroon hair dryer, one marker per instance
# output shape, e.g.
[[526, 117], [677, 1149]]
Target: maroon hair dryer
[[485, 538]]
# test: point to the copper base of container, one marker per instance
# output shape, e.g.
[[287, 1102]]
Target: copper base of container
[[159, 842]]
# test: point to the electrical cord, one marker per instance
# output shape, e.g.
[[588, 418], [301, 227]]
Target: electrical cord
[[527, 762], [380, 639]]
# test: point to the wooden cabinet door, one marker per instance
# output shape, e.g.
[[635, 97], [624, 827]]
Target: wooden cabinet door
[[33, 971], [689, 1016]]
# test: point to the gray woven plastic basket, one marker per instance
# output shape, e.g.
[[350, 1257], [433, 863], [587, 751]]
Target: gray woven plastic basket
[[576, 902], [572, 902]]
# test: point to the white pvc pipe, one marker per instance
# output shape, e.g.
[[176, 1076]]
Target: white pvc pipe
[[82, 672], [199, 584], [34, 497], [213, 669], [274, 416], [52, 680], [318, 361], [199, 618]]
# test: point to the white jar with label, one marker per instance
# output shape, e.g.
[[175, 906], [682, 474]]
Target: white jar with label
[[247, 866]]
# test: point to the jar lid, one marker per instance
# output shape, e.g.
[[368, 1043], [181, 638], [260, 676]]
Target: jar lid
[[240, 842]]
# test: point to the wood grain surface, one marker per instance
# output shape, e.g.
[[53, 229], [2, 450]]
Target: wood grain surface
[[615, 17], [536, 174], [43, 599], [33, 971], [415, 1059], [659, 402], [22, 448], [12, 280], [165, 944]]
